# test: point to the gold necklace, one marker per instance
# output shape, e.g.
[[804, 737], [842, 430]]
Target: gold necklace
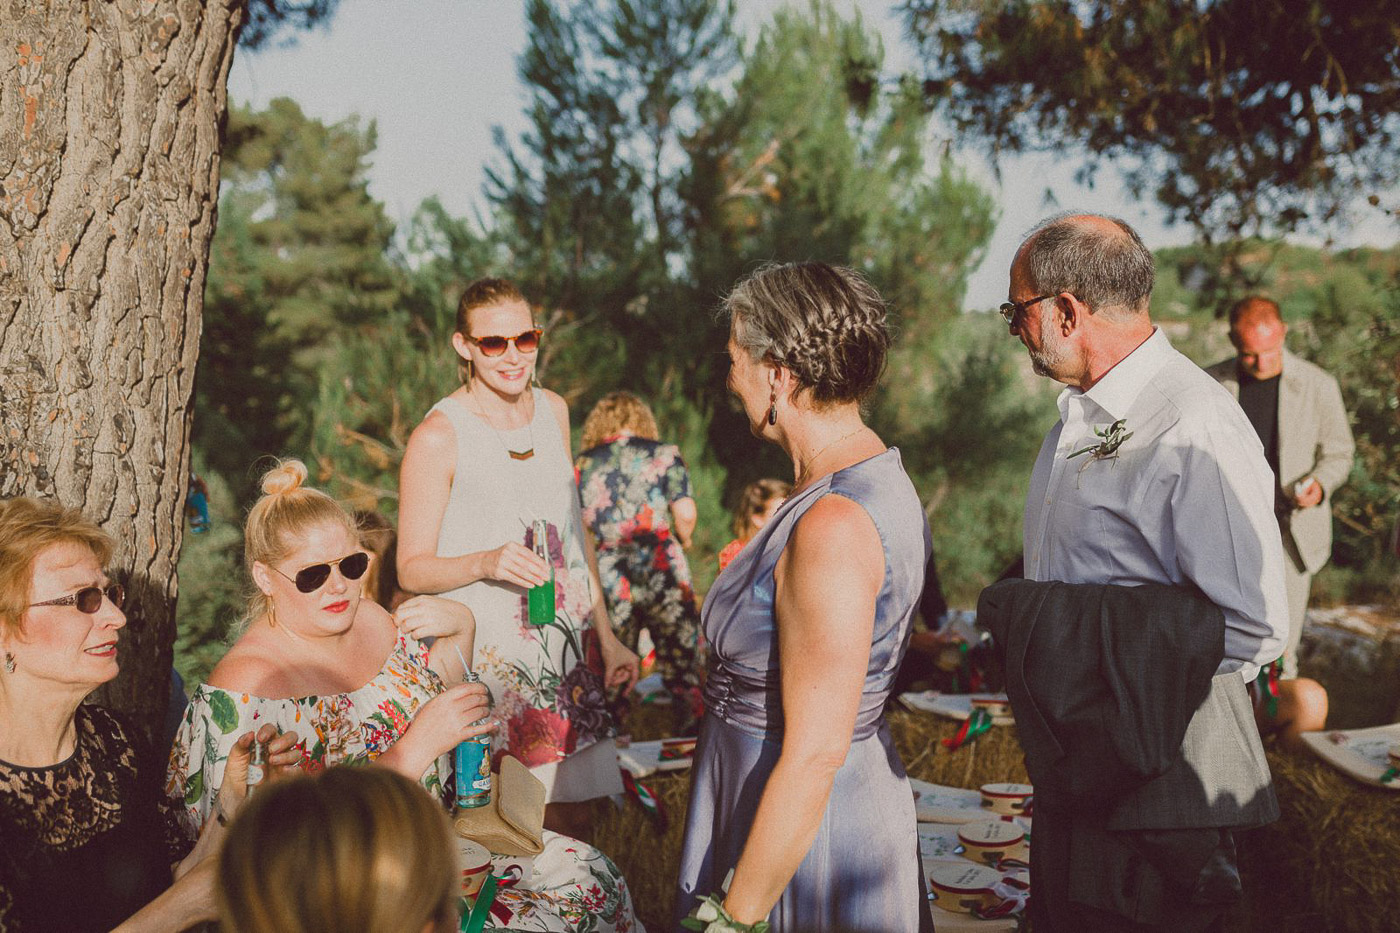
[[525, 454], [802, 477]]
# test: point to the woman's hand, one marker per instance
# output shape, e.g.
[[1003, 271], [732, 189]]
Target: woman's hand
[[444, 721], [434, 617], [513, 562], [283, 755], [620, 663]]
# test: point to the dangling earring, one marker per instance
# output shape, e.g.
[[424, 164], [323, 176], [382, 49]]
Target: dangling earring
[[773, 408], [9, 663], [271, 614]]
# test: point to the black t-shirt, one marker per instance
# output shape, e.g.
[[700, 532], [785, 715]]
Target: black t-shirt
[[86, 843], [1259, 399]]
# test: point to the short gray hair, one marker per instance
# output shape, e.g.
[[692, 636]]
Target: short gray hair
[[1106, 269], [824, 324]]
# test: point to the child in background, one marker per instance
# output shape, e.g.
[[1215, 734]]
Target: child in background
[[757, 503]]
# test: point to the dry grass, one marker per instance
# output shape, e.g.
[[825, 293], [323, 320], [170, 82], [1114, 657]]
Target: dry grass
[[650, 860], [1329, 863]]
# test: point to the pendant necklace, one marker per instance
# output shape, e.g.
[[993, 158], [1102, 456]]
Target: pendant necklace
[[525, 454], [813, 459]]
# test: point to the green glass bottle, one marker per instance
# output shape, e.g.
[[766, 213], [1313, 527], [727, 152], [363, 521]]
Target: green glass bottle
[[541, 598]]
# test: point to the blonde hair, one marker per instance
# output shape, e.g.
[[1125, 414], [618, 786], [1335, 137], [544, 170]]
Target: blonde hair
[[754, 501], [617, 412], [362, 849], [27, 528], [287, 511]]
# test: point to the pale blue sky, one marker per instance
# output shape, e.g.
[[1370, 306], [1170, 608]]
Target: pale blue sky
[[438, 74]]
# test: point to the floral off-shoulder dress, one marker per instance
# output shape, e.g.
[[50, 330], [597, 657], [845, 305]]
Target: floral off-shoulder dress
[[571, 886], [343, 728]]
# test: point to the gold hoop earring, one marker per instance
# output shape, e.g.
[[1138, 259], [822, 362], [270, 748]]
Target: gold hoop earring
[[271, 614]]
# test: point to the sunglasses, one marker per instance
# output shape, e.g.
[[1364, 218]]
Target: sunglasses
[[310, 579], [89, 598], [1012, 311], [527, 342]]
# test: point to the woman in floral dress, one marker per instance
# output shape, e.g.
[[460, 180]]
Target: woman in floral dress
[[486, 463], [637, 502], [358, 684]]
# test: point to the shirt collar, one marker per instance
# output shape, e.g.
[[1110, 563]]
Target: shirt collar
[[1116, 392]]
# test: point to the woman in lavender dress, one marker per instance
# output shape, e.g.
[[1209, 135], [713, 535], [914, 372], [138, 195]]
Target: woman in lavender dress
[[797, 786]]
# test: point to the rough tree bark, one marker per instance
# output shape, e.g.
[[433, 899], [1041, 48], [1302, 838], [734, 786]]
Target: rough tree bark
[[110, 116]]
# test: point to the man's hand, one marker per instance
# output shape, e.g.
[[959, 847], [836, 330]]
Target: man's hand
[[1307, 493]]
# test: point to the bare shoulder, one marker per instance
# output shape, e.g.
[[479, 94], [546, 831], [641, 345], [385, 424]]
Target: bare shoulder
[[250, 666], [434, 435], [558, 406], [836, 535]]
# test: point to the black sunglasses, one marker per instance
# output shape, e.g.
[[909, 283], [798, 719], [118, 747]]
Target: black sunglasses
[[527, 342], [89, 598], [310, 579], [1012, 311]]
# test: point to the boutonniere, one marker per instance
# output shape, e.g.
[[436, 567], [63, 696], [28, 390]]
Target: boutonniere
[[1112, 436], [711, 917]]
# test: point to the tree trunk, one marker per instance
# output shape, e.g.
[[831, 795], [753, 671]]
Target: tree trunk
[[110, 119]]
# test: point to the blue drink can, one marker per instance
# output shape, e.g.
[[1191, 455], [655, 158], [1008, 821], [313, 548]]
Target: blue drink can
[[471, 764]]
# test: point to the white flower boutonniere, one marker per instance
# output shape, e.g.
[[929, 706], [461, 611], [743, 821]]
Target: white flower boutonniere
[[1112, 436]]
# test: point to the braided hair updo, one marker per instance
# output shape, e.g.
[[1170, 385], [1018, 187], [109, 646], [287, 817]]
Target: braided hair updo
[[824, 324]]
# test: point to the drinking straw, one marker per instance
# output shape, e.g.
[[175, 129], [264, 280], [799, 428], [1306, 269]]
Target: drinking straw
[[465, 668]]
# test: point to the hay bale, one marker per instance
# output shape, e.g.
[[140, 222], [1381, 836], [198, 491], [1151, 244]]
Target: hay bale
[[1329, 862], [649, 860], [993, 756], [1354, 651]]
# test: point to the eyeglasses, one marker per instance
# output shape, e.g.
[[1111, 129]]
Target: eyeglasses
[[310, 579], [89, 599], [527, 342], [1012, 311]]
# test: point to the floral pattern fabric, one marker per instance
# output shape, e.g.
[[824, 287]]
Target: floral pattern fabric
[[345, 728], [549, 703], [627, 485], [571, 888]]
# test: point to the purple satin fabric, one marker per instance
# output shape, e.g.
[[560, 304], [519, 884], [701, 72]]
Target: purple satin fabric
[[862, 872]]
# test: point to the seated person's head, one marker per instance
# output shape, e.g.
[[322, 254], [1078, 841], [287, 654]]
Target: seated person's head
[[304, 555], [60, 615], [362, 849], [757, 503], [378, 537]]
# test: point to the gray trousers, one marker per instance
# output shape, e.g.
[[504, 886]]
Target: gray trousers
[[1298, 583]]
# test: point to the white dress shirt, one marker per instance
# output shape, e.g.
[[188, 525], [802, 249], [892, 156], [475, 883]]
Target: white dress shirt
[[1187, 500]]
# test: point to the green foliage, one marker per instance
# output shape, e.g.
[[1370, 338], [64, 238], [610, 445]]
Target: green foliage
[[301, 255], [212, 582], [1239, 116], [1342, 309]]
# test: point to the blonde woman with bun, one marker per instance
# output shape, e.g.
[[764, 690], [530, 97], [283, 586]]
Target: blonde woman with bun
[[358, 849], [486, 463], [316, 657]]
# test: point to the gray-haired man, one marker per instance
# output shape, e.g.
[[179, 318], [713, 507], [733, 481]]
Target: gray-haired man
[[1151, 476]]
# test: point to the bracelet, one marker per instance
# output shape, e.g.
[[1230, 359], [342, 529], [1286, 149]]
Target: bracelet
[[711, 917]]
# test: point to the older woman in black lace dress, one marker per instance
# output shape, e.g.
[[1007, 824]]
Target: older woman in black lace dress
[[86, 842]]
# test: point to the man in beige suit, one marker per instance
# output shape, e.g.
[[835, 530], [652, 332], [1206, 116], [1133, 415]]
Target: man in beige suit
[[1296, 408]]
